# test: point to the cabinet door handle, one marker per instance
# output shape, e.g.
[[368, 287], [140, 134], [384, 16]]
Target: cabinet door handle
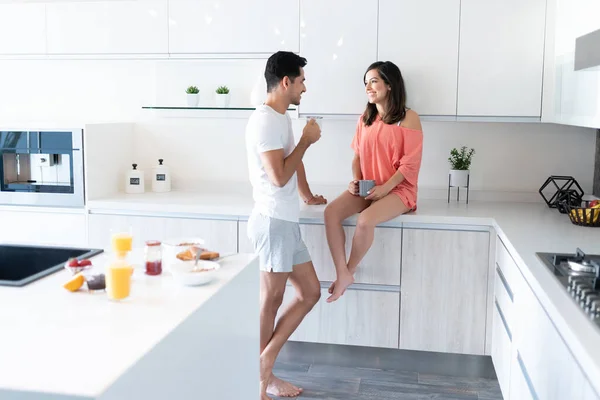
[[504, 283], [503, 319], [532, 392]]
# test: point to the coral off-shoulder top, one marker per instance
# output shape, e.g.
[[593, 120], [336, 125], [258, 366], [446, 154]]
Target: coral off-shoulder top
[[384, 149]]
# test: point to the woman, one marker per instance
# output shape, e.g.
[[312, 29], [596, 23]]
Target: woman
[[387, 149]]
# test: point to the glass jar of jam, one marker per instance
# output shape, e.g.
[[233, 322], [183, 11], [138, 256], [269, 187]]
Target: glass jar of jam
[[153, 257]]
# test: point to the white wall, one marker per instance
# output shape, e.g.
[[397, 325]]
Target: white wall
[[510, 156]]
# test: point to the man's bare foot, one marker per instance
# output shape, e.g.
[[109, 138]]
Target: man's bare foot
[[281, 388], [263, 390], [340, 286], [266, 372]]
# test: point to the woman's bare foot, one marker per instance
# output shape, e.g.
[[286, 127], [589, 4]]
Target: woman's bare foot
[[281, 388], [340, 286]]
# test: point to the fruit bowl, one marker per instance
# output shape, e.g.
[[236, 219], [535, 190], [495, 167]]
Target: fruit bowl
[[584, 216], [76, 266]]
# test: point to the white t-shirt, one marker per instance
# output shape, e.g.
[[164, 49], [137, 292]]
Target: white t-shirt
[[269, 130]]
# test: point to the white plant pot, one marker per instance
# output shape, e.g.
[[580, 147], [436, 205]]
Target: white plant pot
[[459, 177], [223, 100], [192, 99]]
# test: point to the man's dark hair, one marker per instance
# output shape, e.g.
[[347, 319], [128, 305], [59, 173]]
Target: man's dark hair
[[280, 65]]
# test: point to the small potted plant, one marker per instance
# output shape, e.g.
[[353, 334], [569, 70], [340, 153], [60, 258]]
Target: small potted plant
[[222, 96], [460, 162], [192, 96]]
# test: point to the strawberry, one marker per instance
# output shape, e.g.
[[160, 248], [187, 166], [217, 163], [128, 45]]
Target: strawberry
[[85, 263], [72, 262]]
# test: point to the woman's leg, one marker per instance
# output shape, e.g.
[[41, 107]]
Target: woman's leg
[[378, 212], [336, 212]]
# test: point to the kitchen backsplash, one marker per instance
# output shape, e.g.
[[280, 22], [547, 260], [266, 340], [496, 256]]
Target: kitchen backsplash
[[510, 157]]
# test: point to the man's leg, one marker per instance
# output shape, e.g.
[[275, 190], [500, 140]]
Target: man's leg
[[272, 288], [308, 292]]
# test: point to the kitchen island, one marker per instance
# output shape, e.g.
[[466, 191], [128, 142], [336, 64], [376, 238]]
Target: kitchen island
[[166, 341]]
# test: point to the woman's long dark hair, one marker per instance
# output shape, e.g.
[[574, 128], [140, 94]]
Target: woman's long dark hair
[[396, 103]]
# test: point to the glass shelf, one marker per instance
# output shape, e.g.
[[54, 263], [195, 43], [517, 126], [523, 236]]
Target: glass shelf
[[204, 108]]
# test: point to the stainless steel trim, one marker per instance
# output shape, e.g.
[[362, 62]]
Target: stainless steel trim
[[75, 199], [587, 51], [369, 287]]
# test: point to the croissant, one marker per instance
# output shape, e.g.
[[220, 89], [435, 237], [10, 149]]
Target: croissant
[[190, 254]]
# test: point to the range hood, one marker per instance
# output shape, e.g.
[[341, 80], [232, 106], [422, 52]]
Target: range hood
[[587, 51]]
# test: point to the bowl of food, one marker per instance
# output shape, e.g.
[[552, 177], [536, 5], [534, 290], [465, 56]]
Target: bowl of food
[[76, 266], [180, 246], [188, 273]]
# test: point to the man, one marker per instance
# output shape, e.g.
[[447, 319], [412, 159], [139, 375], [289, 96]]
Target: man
[[277, 175]]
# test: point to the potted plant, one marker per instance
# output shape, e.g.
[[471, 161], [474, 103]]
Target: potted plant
[[192, 96], [460, 162], [222, 96]]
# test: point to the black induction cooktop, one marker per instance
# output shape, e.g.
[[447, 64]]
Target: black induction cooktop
[[21, 265]]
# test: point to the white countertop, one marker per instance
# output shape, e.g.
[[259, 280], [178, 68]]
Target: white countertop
[[526, 228], [52, 340]]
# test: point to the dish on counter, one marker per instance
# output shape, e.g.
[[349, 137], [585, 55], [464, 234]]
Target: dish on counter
[[188, 274], [175, 246]]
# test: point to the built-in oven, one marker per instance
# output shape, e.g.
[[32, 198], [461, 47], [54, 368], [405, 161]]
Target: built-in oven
[[42, 168]]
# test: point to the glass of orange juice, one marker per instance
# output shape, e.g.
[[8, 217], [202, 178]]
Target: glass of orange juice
[[121, 242], [118, 281]]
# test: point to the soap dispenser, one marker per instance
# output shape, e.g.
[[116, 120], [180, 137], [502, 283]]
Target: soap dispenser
[[134, 181], [161, 178]]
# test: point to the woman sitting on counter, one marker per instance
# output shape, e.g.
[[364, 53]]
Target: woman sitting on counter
[[387, 146]]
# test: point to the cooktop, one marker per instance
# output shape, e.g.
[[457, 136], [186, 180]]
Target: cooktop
[[21, 265]]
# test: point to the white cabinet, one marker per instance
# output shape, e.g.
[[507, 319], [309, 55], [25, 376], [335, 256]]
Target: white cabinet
[[380, 266], [22, 28], [424, 45], [46, 228], [444, 290], [576, 99], [339, 41], [501, 57], [220, 236], [552, 371], [359, 317], [233, 26], [107, 27]]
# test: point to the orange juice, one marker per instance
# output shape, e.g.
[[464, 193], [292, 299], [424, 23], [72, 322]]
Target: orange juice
[[118, 280], [121, 243]]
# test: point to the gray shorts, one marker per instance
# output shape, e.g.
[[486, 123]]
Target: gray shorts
[[277, 243]]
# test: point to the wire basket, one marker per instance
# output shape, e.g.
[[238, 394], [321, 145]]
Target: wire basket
[[584, 216]]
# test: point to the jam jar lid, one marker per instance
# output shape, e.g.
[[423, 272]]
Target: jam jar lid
[[152, 243]]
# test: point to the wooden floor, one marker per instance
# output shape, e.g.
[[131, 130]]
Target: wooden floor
[[360, 373]]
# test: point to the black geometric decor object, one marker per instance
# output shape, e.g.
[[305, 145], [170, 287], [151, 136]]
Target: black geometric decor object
[[565, 189]]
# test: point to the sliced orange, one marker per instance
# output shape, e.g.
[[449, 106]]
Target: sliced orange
[[75, 283]]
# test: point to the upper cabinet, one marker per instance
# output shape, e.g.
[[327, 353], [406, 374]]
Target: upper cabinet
[[233, 26], [424, 45], [576, 96], [501, 57], [22, 28], [339, 41], [107, 27]]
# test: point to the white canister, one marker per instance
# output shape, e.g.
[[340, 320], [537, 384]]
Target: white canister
[[161, 178], [134, 181]]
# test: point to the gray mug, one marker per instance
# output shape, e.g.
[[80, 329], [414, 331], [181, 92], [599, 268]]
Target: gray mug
[[364, 186]]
